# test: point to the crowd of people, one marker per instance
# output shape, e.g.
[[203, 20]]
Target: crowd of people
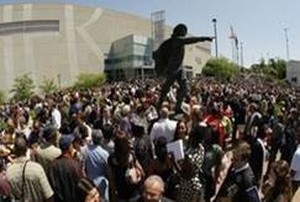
[[112, 144]]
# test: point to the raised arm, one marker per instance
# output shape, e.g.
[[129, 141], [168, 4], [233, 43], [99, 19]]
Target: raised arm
[[191, 40]]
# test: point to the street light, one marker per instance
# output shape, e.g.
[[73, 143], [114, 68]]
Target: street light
[[216, 36], [287, 44]]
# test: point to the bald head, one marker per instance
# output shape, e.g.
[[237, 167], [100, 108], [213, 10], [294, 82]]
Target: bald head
[[153, 189], [155, 181]]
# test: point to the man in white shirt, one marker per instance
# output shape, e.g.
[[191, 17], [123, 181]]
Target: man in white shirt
[[56, 117], [164, 127]]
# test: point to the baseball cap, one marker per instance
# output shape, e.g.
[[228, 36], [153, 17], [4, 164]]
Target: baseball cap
[[65, 141]]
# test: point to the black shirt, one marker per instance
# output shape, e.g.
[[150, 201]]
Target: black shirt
[[63, 176], [239, 185]]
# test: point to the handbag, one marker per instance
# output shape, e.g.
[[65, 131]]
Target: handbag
[[133, 174]]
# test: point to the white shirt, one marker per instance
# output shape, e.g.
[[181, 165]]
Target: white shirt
[[163, 128], [295, 165], [89, 130], [56, 118]]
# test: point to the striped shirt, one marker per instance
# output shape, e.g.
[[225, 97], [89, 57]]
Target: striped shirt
[[36, 187]]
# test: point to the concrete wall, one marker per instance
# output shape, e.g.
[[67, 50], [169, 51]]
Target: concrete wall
[[293, 72]]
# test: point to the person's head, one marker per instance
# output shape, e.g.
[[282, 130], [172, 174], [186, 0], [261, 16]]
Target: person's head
[[194, 101], [161, 148], [97, 136], [181, 130], [253, 107], [108, 131], [197, 135], [83, 132], [166, 104], [180, 30], [50, 134], [87, 191], [197, 113], [241, 153], [106, 112], [20, 146], [153, 189], [66, 143], [164, 112], [125, 110]]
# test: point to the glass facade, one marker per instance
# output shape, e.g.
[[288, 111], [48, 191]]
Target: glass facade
[[131, 57]]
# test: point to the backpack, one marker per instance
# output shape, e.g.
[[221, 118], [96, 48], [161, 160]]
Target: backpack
[[161, 57]]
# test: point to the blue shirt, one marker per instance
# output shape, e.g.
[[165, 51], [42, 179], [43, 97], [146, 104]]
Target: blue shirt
[[96, 163]]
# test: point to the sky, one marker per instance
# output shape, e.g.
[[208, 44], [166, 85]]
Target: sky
[[258, 24]]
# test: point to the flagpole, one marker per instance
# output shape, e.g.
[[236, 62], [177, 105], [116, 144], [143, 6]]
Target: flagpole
[[237, 54], [216, 36], [242, 55], [287, 44]]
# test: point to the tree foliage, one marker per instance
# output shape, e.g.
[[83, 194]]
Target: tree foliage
[[86, 81], [220, 68], [2, 97], [275, 68], [48, 86], [23, 88]]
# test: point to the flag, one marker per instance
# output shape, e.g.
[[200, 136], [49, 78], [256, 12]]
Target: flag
[[234, 37]]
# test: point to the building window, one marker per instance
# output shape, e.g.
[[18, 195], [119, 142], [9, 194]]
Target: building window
[[31, 26]]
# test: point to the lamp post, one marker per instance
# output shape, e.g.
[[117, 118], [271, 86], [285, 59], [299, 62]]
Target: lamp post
[[216, 36], [287, 44]]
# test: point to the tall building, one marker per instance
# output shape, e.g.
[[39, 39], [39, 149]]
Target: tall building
[[60, 41]]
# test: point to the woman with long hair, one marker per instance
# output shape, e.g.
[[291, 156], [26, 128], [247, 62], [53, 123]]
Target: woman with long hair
[[190, 169], [181, 132], [278, 187], [124, 171]]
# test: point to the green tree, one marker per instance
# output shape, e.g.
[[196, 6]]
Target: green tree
[[2, 97], [86, 81], [23, 88], [220, 68], [48, 86], [275, 68], [279, 66]]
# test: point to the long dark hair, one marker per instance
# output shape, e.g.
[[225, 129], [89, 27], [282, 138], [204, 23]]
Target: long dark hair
[[196, 136], [161, 149], [122, 148], [176, 135]]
